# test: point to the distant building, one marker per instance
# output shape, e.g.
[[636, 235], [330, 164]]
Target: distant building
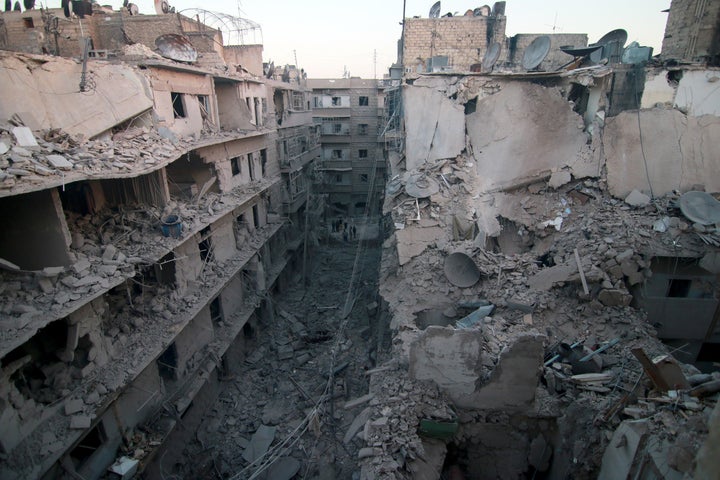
[[348, 112]]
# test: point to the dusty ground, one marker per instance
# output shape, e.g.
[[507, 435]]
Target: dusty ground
[[282, 387]]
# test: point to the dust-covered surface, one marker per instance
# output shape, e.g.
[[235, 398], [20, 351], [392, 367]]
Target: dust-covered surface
[[558, 257], [283, 380]]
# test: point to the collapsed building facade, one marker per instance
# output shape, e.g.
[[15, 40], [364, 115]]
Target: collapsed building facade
[[537, 247], [152, 207], [544, 274]]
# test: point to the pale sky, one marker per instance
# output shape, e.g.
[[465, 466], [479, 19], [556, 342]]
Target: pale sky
[[329, 36]]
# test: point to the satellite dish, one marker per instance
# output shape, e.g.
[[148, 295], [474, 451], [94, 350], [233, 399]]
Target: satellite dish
[[579, 51], [435, 10], [419, 185], [491, 57], [176, 47], [461, 270], [483, 11], [536, 52], [700, 207], [133, 9], [613, 43], [161, 7]]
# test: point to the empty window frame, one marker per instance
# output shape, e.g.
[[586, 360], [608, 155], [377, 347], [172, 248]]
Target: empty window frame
[[263, 162], [363, 129], [216, 313], [336, 101], [363, 101], [298, 100], [363, 153], [364, 178], [88, 446], [337, 154], [251, 166], [178, 104], [205, 244], [236, 166]]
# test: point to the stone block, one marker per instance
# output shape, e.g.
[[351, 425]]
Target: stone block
[[80, 422], [73, 406]]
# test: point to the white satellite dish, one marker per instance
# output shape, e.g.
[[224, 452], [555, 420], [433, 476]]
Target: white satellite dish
[[162, 7]]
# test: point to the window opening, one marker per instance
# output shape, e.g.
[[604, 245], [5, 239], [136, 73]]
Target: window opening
[[168, 363], [236, 166], [216, 314], [178, 105]]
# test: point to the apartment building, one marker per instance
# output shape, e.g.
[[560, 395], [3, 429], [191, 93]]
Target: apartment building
[[151, 208], [348, 112]]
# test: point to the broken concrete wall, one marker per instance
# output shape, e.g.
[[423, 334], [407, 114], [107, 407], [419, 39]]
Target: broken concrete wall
[[140, 398], [192, 340], [257, 99], [526, 131], [233, 111], [247, 57], [434, 126], [223, 239], [34, 233], [188, 264], [176, 99], [244, 154], [698, 93], [453, 358], [44, 92], [231, 297], [680, 156], [659, 90]]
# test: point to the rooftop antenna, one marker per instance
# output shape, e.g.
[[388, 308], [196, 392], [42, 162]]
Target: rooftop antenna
[[296, 62], [554, 24], [435, 10]]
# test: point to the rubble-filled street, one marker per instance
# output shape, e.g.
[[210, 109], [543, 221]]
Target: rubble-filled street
[[275, 413]]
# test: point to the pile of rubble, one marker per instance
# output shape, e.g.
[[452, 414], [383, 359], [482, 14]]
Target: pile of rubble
[[279, 407]]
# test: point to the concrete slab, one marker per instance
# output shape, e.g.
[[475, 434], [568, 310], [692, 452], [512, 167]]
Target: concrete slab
[[24, 137], [435, 126], [259, 443]]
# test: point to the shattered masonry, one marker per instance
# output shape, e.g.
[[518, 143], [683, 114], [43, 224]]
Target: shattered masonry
[[564, 191], [146, 218], [539, 297]]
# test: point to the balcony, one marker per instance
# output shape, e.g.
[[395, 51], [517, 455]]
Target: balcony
[[293, 163]]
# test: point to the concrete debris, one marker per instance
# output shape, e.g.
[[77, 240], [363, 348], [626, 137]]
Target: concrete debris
[[259, 443], [637, 199]]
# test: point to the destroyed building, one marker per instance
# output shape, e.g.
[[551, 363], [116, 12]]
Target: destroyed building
[[550, 258], [152, 207], [542, 301], [348, 112]]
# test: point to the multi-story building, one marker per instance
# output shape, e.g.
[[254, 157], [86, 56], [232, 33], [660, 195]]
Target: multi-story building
[[349, 113], [151, 208]]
